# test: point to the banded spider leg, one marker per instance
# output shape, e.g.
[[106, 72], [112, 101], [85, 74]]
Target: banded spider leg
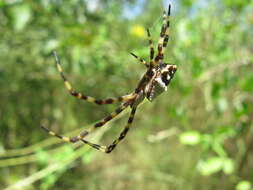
[[84, 97]]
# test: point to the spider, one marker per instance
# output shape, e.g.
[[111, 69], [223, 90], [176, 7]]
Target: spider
[[153, 83]]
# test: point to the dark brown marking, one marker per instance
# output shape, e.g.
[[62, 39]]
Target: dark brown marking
[[134, 55], [152, 52], [164, 78], [120, 98], [118, 110], [109, 101], [59, 136], [158, 57], [171, 69], [163, 30], [84, 97], [130, 120], [110, 148], [99, 124], [169, 9], [96, 146], [148, 33], [165, 42], [151, 44], [123, 134], [44, 128], [74, 93], [108, 118], [98, 102], [63, 76], [84, 133], [74, 139], [150, 73], [160, 48]]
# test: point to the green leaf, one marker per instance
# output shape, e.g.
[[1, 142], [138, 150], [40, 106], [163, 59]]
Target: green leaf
[[210, 166], [42, 156], [190, 138], [88, 157], [243, 185], [222, 104], [51, 45], [228, 166], [21, 15]]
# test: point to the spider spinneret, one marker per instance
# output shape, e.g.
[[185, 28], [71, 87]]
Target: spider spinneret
[[153, 83]]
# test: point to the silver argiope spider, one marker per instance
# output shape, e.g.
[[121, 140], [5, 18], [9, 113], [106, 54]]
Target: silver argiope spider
[[153, 83]]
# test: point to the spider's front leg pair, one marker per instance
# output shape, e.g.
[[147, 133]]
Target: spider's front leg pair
[[127, 100], [162, 43]]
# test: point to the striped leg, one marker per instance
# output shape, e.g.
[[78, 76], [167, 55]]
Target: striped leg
[[164, 36], [95, 126], [84, 97], [110, 148], [142, 61], [151, 46]]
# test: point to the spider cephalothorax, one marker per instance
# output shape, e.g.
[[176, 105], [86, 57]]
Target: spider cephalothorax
[[153, 83]]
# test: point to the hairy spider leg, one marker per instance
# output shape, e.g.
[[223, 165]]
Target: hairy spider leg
[[151, 47], [110, 148], [87, 131], [84, 97], [142, 61], [164, 35]]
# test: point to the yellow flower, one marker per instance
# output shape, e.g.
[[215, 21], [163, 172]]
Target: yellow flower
[[138, 31]]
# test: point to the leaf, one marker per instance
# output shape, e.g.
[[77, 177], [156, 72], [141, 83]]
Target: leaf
[[243, 185], [21, 15], [88, 157], [222, 104], [210, 166], [228, 166], [190, 138], [51, 45]]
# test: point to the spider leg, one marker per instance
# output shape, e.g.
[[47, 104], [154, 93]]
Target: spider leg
[[84, 97], [142, 61], [110, 148], [87, 131], [164, 35], [151, 46]]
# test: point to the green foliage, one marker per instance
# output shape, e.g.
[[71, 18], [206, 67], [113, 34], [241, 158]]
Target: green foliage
[[243, 185], [198, 135]]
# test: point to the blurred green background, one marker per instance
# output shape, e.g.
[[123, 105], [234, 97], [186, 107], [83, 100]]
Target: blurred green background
[[197, 135]]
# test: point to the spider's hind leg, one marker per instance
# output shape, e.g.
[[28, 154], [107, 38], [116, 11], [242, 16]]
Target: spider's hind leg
[[110, 148], [87, 131], [84, 97]]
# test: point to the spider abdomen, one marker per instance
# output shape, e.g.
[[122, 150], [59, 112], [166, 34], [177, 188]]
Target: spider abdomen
[[158, 85]]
